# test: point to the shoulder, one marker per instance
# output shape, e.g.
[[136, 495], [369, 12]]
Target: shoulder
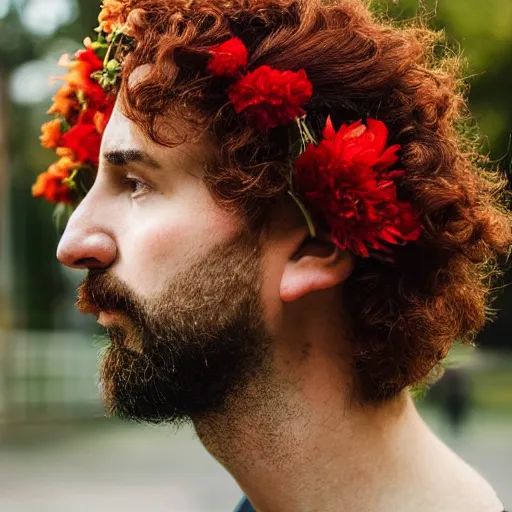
[[466, 489]]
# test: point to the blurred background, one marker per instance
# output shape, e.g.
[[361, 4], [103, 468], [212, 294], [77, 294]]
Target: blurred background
[[57, 451]]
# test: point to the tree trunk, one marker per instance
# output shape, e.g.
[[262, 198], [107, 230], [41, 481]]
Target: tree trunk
[[4, 251], [4, 181], [4, 187]]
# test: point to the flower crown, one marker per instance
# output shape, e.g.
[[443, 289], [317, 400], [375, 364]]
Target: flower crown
[[347, 178]]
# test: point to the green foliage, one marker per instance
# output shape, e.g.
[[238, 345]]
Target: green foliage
[[481, 32]]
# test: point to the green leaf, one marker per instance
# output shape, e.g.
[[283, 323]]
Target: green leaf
[[61, 216]]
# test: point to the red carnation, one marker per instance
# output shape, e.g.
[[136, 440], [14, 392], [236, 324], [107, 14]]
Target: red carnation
[[90, 58], [79, 76], [84, 140], [270, 97], [348, 182], [228, 58]]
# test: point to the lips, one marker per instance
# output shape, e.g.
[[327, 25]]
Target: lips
[[110, 318], [108, 299], [129, 340]]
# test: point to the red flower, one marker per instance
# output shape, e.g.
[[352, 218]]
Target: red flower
[[270, 97], [89, 57], [228, 58], [84, 140], [348, 182], [79, 75]]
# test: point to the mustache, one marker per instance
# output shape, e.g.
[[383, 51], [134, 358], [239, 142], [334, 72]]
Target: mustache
[[101, 291]]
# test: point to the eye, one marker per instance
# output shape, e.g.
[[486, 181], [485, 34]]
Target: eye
[[136, 186]]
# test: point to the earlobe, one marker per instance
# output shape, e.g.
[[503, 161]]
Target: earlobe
[[318, 266]]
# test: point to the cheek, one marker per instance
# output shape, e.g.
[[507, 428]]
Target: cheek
[[163, 239], [159, 241], [156, 250]]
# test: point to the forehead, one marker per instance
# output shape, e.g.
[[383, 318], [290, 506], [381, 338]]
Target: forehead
[[122, 134]]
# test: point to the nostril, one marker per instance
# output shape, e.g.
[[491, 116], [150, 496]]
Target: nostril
[[86, 250], [88, 263]]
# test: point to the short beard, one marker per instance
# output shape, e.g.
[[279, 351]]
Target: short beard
[[183, 354]]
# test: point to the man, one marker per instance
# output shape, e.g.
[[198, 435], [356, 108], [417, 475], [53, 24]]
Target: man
[[283, 236]]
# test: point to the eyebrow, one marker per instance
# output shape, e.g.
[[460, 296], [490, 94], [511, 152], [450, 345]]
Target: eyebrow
[[122, 157]]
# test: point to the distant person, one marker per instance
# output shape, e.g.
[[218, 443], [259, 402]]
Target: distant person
[[283, 236], [456, 398]]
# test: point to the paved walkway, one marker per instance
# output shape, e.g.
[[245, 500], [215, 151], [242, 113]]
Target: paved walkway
[[130, 468]]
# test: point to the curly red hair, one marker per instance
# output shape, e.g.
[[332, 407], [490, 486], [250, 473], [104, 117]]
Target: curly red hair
[[404, 316]]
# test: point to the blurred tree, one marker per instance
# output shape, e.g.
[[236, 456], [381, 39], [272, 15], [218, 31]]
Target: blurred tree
[[482, 32], [14, 48], [35, 271], [3, 199]]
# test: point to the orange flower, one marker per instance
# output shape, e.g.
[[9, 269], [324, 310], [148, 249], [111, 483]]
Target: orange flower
[[51, 188], [50, 184], [63, 167], [101, 118], [100, 122], [112, 14], [51, 134], [65, 102], [61, 151]]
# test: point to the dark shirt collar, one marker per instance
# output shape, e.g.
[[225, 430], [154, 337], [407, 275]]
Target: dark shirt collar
[[244, 506]]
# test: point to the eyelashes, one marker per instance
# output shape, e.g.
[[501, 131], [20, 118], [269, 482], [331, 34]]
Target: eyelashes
[[136, 186]]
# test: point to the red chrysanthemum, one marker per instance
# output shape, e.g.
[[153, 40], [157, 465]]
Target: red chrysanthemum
[[84, 140], [269, 97], [228, 58], [348, 182]]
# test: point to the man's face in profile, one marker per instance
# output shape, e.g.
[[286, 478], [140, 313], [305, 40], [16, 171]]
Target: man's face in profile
[[174, 279]]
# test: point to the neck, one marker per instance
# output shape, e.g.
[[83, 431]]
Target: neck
[[293, 444]]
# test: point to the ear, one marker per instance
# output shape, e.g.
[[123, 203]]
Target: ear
[[317, 264]]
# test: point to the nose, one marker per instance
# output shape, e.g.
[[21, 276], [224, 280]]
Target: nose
[[81, 250], [87, 241]]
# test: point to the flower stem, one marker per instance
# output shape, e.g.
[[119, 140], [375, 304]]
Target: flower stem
[[109, 50], [70, 181], [309, 220], [309, 137]]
